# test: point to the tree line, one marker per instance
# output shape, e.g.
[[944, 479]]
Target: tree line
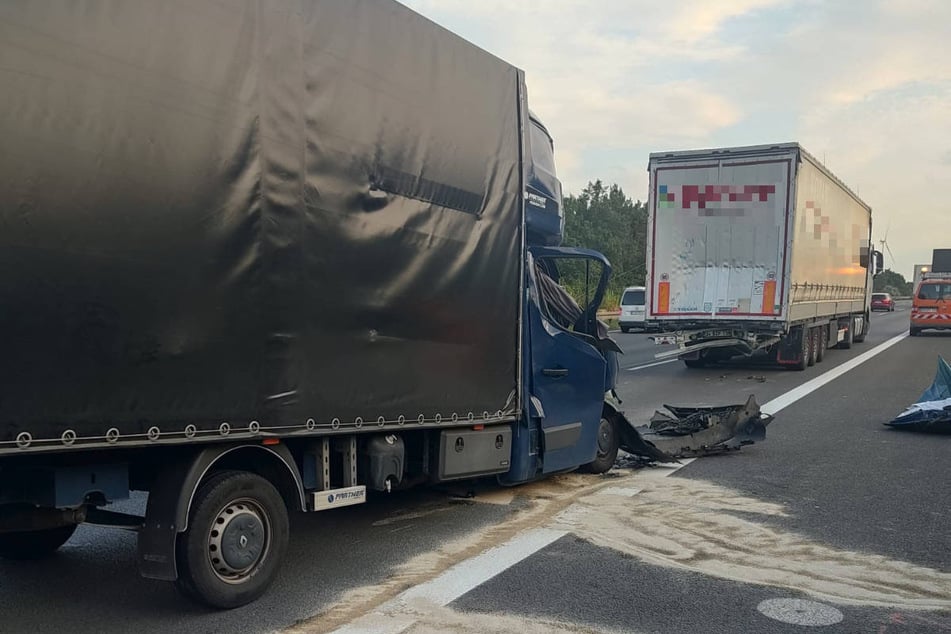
[[605, 219]]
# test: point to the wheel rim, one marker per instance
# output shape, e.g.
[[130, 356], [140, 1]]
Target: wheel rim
[[605, 437], [239, 540]]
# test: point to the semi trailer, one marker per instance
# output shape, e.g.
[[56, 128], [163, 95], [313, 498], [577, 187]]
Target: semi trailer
[[755, 250]]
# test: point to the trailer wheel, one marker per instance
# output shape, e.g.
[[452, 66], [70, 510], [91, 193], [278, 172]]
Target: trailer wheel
[[846, 343], [26, 545], [813, 345], [235, 541], [866, 326], [802, 362], [608, 445], [823, 343]]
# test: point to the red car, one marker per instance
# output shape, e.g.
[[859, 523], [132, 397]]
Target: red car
[[882, 301]]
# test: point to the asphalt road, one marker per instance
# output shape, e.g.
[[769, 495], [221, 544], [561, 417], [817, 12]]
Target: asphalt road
[[833, 508], [854, 511]]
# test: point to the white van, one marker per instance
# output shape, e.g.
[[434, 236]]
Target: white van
[[632, 308]]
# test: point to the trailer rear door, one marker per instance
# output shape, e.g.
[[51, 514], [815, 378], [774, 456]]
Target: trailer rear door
[[719, 235]]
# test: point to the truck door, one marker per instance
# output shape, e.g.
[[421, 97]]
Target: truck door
[[568, 372]]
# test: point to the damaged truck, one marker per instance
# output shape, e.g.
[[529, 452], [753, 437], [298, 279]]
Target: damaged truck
[[755, 250], [262, 258]]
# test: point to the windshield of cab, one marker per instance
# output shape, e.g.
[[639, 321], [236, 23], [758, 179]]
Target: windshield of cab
[[934, 291]]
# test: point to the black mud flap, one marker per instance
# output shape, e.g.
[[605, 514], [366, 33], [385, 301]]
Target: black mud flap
[[694, 431]]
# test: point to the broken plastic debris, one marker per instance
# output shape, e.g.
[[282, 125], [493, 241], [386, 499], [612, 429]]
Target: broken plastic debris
[[932, 411]]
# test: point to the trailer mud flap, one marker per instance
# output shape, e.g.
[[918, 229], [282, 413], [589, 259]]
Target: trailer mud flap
[[694, 431]]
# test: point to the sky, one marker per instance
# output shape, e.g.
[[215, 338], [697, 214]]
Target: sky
[[863, 85]]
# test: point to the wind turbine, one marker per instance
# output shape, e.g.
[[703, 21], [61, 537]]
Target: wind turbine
[[884, 243]]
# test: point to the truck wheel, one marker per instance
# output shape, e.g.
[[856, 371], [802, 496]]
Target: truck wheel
[[813, 345], [804, 350], [25, 545], [625, 329], [608, 444], [236, 538], [846, 343], [914, 332], [823, 343], [866, 326], [695, 363]]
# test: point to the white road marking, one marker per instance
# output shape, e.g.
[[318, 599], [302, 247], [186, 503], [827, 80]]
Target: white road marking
[[392, 618], [455, 582], [793, 395], [651, 365]]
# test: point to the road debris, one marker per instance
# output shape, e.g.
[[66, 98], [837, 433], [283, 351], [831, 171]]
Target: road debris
[[695, 431], [932, 411]]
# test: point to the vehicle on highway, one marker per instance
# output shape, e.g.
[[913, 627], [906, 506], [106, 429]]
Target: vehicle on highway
[[756, 249], [632, 308], [323, 265], [931, 302], [883, 301]]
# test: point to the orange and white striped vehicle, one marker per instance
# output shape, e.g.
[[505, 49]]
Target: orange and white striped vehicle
[[931, 304]]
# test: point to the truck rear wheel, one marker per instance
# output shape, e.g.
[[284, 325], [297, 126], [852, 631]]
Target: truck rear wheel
[[846, 343], [236, 538], [866, 326], [802, 362], [26, 545], [813, 345], [608, 445], [823, 343]]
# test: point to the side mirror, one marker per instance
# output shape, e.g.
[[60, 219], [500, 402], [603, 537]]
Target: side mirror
[[879, 262]]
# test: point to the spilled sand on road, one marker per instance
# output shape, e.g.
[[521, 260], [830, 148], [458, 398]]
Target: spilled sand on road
[[543, 499], [716, 531], [432, 619], [674, 522]]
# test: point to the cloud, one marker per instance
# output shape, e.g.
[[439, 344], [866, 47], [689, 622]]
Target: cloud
[[617, 79]]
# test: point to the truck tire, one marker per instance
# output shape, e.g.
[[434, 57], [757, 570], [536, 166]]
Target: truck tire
[[846, 343], [804, 350], [26, 545], [866, 326], [914, 332], [823, 343], [813, 345], [625, 329], [236, 538], [608, 444], [695, 363]]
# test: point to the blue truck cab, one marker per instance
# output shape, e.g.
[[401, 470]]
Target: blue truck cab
[[544, 213]]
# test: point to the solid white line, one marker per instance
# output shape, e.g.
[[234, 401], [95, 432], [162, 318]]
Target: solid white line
[[455, 582], [651, 365], [793, 395], [392, 618]]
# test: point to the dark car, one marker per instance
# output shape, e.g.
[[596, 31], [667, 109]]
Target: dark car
[[882, 301]]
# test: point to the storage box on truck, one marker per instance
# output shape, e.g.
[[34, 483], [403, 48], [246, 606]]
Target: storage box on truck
[[755, 248]]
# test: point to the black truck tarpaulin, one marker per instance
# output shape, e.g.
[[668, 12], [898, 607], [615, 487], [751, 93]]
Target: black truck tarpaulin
[[251, 213]]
